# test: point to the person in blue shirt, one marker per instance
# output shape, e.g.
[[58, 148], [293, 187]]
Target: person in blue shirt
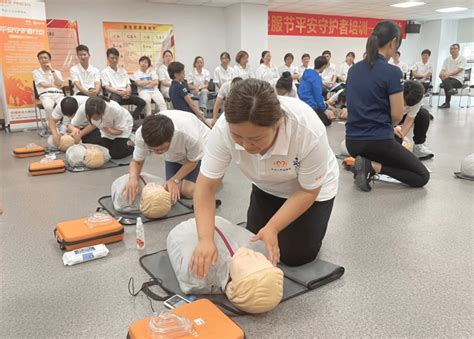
[[311, 88], [179, 95], [375, 104]]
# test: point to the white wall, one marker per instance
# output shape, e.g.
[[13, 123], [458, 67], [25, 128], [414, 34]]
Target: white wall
[[197, 29], [280, 45], [254, 31], [233, 15], [466, 30]]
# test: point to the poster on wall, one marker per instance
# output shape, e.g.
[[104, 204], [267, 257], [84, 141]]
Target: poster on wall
[[22, 34], [134, 40], [299, 24], [63, 38]]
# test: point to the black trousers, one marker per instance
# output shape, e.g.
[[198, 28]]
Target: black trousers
[[324, 118], [117, 147], [448, 84], [420, 126], [396, 160], [93, 137], [300, 241], [132, 100]]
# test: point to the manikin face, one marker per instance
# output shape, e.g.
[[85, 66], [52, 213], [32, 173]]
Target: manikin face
[[246, 262], [255, 139], [225, 61], [305, 61], [83, 57], [288, 61], [454, 51], [167, 58], [156, 202], [267, 58], [163, 148], [113, 60], [199, 63], [43, 59], [425, 58]]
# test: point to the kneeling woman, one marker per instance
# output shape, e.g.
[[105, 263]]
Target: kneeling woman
[[282, 147], [114, 122]]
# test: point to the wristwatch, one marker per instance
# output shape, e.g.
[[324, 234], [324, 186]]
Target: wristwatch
[[176, 181]]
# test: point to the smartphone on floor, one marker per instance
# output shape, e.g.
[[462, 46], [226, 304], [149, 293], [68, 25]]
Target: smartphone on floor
[[175, 301]]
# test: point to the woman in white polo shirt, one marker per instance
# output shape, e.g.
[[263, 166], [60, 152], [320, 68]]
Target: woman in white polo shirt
[[266, 71], [223, 72], [114, 122], [147, 81], [198, 82], [163, 75], [282, 147], [242, 69]]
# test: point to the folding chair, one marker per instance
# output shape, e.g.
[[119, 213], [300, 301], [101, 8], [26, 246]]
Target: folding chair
[[40, 115], [465, 84]]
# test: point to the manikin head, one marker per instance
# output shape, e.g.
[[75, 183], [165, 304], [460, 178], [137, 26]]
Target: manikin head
[[156, 201], [94, 158], [65, 142], [256, 285]]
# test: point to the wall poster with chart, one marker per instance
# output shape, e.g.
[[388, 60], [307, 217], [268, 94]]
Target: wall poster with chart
[[134, 40], [63, 38]]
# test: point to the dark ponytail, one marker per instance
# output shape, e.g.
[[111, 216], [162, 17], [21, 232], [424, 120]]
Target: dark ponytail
[[384, 32], [96, 105], [285, 82]]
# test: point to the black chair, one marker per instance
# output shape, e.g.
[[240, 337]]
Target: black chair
[[465, 85], [40, 115]]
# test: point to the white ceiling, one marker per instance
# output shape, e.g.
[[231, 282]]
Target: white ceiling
[[358, 8]]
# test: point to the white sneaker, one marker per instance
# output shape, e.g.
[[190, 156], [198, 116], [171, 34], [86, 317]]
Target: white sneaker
[[422, 152]]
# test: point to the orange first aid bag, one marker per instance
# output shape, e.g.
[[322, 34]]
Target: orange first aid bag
[[208, 322], [26, 152], [39, 168], [79, 233]]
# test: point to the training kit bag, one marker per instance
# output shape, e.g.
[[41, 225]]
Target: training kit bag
[[49, 167], [29, 151], [79, 233], [207, 319]]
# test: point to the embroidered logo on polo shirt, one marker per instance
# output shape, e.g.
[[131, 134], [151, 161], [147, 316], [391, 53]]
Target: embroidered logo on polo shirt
[[296, 163], [280, 166]]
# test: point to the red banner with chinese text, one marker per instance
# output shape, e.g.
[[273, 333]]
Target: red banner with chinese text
[[299, 24]]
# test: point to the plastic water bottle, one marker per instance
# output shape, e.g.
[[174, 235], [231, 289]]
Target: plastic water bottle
[[140, 238]]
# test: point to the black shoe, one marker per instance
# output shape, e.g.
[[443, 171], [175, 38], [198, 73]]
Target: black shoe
[[453, 91], [445, 105], [363, 173], [431, 116]]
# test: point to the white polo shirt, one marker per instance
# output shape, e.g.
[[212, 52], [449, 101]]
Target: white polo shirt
[[115, 116], [244, 73], [412, 111], [301, 155], [58, 113], [284, 68], [301, 70], [188, 141], [422, 68], [328, 73], [343, 69], [198, 79], [117, 79], [221, 75], [87, 77], [149, 75], [267, 73], [40, 76], [451, 64], [164, 75], [224, 90], [403, 66]]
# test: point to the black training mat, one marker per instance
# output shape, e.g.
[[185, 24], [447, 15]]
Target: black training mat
[[298, 280], [108, 164], [462, 176], [182, 207]]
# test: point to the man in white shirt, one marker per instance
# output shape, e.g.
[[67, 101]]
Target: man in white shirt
[[423, 69], [329, 75], [397, 62], [452, 73], [48, 82], [180, 137], [85, 77], [116, 82]]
